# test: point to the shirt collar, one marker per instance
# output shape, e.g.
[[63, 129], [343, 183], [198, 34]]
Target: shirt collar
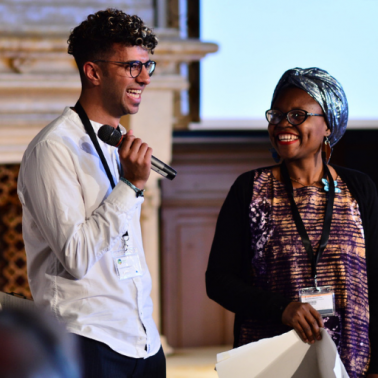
[[96, 126]]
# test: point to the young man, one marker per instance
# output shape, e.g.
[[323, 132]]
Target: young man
[[82, 237]]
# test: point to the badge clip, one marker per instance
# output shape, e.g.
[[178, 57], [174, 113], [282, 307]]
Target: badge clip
[[317, 288]]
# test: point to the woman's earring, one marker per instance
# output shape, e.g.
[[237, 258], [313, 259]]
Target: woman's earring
[[326, 150], [275, 156]]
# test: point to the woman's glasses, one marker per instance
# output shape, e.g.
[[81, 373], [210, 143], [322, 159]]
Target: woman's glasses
[[294, 117]]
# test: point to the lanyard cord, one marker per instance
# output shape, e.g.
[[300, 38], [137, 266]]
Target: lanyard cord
[[89, 129], [314, 259]]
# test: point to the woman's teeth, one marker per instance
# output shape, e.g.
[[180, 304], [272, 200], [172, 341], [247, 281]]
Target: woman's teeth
[[287, 137]]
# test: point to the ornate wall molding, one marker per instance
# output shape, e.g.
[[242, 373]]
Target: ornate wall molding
[[57, 16]]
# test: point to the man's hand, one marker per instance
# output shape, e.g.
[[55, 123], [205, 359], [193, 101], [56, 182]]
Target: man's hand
[[304, 319], [135, 157]]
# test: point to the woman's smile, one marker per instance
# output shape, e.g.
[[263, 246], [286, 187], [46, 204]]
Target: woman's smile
[[286, 138], [304, 140]]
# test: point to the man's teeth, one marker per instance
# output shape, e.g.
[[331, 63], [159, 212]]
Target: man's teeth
[[134, 93], [287, 137]]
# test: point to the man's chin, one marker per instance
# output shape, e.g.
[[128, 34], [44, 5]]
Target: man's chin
[[132, 109]]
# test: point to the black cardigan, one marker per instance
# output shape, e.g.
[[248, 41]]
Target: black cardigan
[[228, 275]]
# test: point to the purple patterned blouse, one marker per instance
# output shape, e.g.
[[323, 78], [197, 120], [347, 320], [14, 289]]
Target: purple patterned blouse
[[280, 263]]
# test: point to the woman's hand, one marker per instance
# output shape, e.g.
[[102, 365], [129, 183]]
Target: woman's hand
[[305, 320]]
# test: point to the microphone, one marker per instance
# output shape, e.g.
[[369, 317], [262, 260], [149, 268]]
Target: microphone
[[113, 137]]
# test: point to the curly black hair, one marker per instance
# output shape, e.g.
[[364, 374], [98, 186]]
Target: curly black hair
[[94, 38]]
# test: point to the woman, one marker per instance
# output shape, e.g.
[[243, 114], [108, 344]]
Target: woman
[[302, 227]]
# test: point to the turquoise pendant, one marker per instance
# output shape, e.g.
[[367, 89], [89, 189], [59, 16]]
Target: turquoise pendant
[[326, 186]]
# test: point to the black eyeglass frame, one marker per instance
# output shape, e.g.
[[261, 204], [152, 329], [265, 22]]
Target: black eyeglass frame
[[130, 62], [285, 115]]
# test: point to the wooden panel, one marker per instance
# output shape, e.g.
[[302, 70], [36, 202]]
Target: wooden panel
[[191, 318], [190, 206]]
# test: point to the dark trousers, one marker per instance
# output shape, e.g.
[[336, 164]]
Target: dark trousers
[[100, 361]]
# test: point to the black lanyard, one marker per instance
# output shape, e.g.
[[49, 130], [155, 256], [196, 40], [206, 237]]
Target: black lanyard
[[314, 259], [89, 129]]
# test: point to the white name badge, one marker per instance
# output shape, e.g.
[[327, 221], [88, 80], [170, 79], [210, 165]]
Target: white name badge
[[128, 266], [321, 298]]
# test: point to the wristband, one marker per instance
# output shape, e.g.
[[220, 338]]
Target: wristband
[[138, 192]]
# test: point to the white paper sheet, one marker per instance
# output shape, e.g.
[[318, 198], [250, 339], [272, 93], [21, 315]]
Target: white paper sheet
[[284, 356]]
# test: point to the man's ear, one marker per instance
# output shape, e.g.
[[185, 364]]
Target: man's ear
[[92, 73]]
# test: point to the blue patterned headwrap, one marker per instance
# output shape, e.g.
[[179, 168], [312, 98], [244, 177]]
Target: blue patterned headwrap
[[326, 90]]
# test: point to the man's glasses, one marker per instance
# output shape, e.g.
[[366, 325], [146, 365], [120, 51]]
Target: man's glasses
[[294, 117], [134, 67]]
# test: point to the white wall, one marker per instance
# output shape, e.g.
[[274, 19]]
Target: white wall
[[260, 39]]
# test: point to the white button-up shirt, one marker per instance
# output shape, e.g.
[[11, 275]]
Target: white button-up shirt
[[73, 224]]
